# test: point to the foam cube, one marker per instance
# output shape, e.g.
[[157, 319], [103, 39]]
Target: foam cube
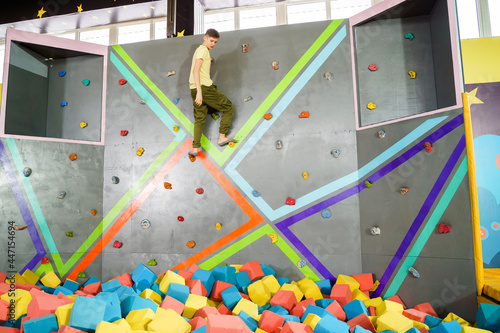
[[50, 280], [196, 287], [206, 277], [360, 295], [92, 279], [205, 311], [111, 286], [363, 321], [87, 313], [271, 283], [92, 288], [131, 303], [67, 329], [299, 309], [139, 319], [315, 310], [242, 280], [427, 308], [219, 286], [269, 321], [309, 288], [387, 306], [278, 309], [354, 309], [143, 275], [44, 324], [293, 327], [365, 281], [113, 310], [71, 285], [346, 279], [172, 303], [63, 290], [432, 321], [193, 304], [249, 307], [259, 293], [226, 324], [296, 290], [248, 320], [324, 302], [197, 322], [336, 309], [285, 298], [341, 293], [178, 291], [330, 324], [448, 327], [451, 316], [311, 320], [373, 302], [415, 315], [105, 327], [325, 286], [267, 270], [488, 317], [169, 322], [63, 313], [223, 310], [148, 293], [125, 291], [393, 321], [30, 277], [470, 329], [125, 279], [225, 274], [231, 296], [396, 299], [42, 305], [253, 269]]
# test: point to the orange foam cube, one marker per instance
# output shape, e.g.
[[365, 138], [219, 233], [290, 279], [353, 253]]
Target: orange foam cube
[[365, 281], [253, 270]]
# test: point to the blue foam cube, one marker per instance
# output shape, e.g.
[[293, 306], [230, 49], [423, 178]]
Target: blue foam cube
[[432, 321], [354, 309], [448, 327], [92, 279], [413, 330], [291, 318], [139, 287], [63, 290], [278, 309], [44, 324], [156, 289], [48, 290], [131, 303], [324, 302], [282, 281], [242, 280], [325, 286], [111, 286], [202, 329], [330, 324], [315, 310], [249, 321], [230, 296], [359, 329], [178, 291], [143, 275], [206, 278], [86, 313], [264, 307], [267, 270], [225, 273], [113, 310], [125, 291], [71, 285], [488, 317]]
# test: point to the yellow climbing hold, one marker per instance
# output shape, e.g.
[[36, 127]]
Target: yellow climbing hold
[[231, 144], [274, 238], [305, 175], [83, 124], [371, 106], [412, 74], [140, 151], [218, 226], [176, 128]]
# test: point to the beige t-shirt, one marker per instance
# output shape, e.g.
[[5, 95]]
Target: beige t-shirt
[[201, 53]]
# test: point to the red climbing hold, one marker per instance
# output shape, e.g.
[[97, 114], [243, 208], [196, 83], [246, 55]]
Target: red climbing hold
[[428, 147], [200, 190], [444, 228], [372, 67], [123, 133], [117, 244], [290, 201], [180, 218], [304, 114], [122, 82], [45, 260]]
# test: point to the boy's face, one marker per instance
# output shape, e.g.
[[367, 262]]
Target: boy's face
[[210, 41]]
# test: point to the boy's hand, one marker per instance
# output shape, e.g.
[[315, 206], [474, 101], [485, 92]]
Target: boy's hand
[[199, 98]]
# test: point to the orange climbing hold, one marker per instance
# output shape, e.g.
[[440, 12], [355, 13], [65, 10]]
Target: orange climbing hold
[[304, 114], [73, 157], [93, 212], [192, 158], [168, 186], [190, 244], [268, 116]]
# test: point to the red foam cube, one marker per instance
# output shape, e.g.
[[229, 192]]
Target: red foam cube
[[3, 276], [93, 288], [294, 327], [125, 280], [171, 303], [415, 315], [299, 309], [253, 270], [196, 287], [223, 310], [363, 321], [372, 310], [219, 286], [186, 275], [226, 324], [341, 293], [426, 308], [396, 299], [193, 268], [284, 298], [205, 311], [42, 306], [270, 320], [336, 309], [365, 281], [67, 329], [197, 322]]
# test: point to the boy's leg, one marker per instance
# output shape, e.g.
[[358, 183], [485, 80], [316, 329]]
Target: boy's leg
[[200, 116], [217, 100]]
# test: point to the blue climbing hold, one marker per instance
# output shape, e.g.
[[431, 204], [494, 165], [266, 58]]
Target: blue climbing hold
[[176, 101], [255, 193], [335, 153], [279, 144], [326, 214], [62, 73], [27, 172], [63, 104]]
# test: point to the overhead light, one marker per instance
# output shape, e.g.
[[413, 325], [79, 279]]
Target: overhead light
[[145, 15], [64, 23], [152, 7], [11, 26], [95, 17]]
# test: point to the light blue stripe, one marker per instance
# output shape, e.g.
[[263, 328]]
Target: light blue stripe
[[42, 223], [146, 96], [428, 229]]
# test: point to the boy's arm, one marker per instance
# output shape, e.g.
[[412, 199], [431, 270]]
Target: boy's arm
[[196, 75]]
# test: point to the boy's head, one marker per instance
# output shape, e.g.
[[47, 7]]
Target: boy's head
[[211, 38]]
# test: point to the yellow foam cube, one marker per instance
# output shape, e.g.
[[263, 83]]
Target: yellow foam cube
[[393, 321], [312, 320], [418, 325], [170, 277], [237, 267], [72, 297], [62, 314], [271, 283], [387, 306], [105, 327], [152, 295], [358, 294], [258, 330], [139, 331], [139, 319], [169, 322], [373, 319], [295, 288], [159, 278], [346, 279], [373, 302], [249, 307], [123, 323], [193, 304], [17, 278], [21, 305], [30, 277], [470, 329], [213, 304], [310, 289], [16, 295], [451, 316], [259, 293], [50, 280]]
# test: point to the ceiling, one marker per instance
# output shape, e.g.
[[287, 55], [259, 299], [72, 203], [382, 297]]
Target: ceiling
[[222, 4]]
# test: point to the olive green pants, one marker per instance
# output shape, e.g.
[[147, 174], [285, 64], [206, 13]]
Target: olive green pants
[[214, 99]]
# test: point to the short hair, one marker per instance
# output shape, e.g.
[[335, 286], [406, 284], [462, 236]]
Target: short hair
[[212, 33]]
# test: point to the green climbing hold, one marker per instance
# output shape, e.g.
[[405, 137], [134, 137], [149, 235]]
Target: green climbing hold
[[152, 262], [368, 184], [81, 275], [215, 116], [69, 234], [86, 82]]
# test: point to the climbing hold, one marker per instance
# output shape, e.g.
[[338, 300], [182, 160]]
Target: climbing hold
[[192, 158], [20, 228], [73, 157], [83, 124], [412, 74], [190, 244], [381, 134], [69, 234], [170, 73], [274, 238], [304, 114], [255, 193], [121, 82], [326, 214], [61, 195], [414, 272], [371, 106], [143, 102], [218, 226], [428, 147], [176, 101], [302, 263], [200, 190], [93, 212], [244, 48], [305, 175], [335, 153], [372, 67], [279, 144], [247, 99], [275, 66], [403, 190], [180, 218], [375, 285], [63, 104], [27, 172], [409, 36], [231, 144], [268, 116], [117, 244], [87, 82], [123, 132], [375, 231], [152, 262], [81, 275], [176, 128], [290, 201], [215, 116], [115, 180], [444, 228], [328, 76], [140, 151], [45, 260], [368, 184], [168, 186], [145, 224], [62, 73]]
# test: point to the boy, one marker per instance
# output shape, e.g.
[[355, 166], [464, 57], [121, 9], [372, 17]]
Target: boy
[[205, 93]]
